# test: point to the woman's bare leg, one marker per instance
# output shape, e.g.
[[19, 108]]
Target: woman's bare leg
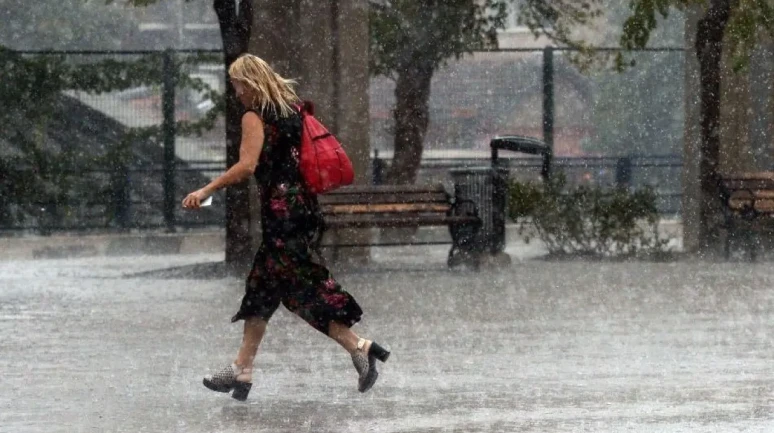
[[364, 353], [238, 377], [343, 335], [253, 333]]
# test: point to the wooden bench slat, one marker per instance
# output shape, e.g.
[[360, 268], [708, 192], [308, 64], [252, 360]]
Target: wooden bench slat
[[738, 205], [762, 200], [749, 175], [765, 206], [748, 184], [398, 206], [366, 221], [752, 194], [384, 189], [748, 191], [433, 197], [384, 208], [758, 186]]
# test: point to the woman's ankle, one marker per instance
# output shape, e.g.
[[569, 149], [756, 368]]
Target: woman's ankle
[[243, 365], [245, 376], [362, 345], [244, 373]]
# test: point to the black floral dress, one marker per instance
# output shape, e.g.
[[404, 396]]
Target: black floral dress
[[283, 270]]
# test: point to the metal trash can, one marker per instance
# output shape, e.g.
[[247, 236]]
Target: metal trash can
[[487, 188]]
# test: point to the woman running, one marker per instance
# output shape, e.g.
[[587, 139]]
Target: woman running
[[283, 271]]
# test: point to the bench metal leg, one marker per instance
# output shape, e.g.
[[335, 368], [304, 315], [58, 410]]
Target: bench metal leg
[[465, 248], [729, 235], [458, 257], [752, 245], [335, 255], [334, 249], [317, 248]]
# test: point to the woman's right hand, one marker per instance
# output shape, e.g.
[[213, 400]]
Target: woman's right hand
[[194, 200]]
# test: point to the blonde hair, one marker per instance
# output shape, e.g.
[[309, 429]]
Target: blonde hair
[[273, 92]]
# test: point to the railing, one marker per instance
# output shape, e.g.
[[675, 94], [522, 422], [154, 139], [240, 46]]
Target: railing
[[663, 173], [118, 206], [145, 194]]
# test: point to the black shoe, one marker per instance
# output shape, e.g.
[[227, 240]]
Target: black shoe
[[365, 363], [225, 380]]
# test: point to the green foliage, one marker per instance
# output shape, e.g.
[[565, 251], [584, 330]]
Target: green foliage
[[749, 20], [142, 3], [409, 41], [62, 24], [639, 26], [523, 199], [40, 173], [587, 221], [741, 24], [41, 179], [32, 82], [558, 19], [407, 31], [639, 111]]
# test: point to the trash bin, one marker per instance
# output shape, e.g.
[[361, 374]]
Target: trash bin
[[487, 188]]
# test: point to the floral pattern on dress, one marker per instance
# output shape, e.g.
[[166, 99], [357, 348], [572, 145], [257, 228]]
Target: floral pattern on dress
[[284, 271]]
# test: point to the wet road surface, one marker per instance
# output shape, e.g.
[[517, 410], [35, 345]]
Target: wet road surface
[[536, 347]]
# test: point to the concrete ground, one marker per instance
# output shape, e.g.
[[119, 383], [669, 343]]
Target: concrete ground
[[205, 241], [119, 344]]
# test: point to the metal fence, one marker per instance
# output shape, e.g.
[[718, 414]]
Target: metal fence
[[594, 122], [662, 173], [541, 93], [114, 159]]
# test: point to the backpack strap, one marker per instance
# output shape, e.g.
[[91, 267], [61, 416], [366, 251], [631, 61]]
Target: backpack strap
[[306, 107]]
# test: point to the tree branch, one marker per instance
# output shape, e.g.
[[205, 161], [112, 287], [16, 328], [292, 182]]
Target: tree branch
[[225, 10], [234, 28], [244, 23], [717, 17]]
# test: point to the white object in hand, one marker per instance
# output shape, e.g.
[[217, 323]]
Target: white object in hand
[[207, 201]]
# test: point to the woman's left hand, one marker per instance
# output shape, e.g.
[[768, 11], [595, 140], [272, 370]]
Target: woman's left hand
[[195, 199]]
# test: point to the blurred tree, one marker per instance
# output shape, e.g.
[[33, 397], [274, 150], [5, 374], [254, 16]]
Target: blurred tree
[[62, 25], [735, 25], [640, 110], [34, 167], [235, 19], [410, 40], [99, 25]]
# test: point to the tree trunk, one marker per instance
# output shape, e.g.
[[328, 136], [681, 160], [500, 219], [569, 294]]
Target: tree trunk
[[412, 92], [235, 31], [709, 49]]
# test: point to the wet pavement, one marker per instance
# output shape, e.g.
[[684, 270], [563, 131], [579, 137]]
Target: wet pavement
[[536, 347]]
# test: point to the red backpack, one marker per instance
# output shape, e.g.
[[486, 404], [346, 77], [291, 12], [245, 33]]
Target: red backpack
[[324, 165]]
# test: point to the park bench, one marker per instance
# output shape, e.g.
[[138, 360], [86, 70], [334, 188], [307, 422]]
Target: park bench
[[405, 206], [748, 200]]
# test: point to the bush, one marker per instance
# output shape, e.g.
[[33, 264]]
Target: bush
[[587, 221]]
